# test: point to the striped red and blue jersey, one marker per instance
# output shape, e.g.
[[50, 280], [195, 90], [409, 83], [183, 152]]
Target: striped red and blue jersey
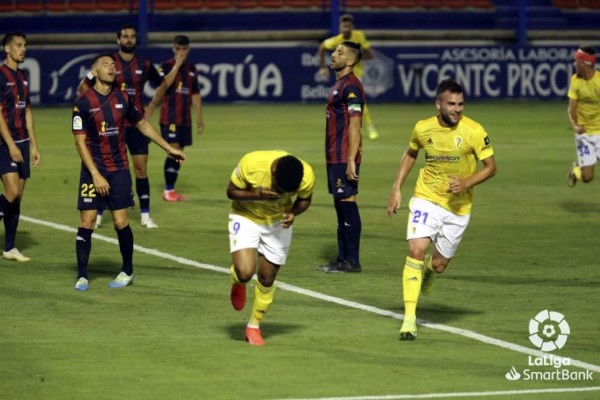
[[14, 89], [176, 105], [131, 77], [346, 99], [101, 118]]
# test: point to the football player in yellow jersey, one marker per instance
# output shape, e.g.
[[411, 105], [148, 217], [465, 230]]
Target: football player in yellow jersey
[[440, 208], [584, 114], [348, 33], [262, 189]]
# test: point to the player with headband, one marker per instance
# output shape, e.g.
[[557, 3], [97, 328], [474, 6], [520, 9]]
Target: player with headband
[[584, 102]]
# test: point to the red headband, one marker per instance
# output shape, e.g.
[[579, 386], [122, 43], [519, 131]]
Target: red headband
[[585, 57]]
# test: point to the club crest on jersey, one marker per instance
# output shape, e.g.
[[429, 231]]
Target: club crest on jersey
[[351, 95], [457, 140]]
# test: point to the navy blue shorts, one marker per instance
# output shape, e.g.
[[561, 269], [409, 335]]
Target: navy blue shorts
[[7, 165], [337, 182], [177, 134], [120, 195], [137, 143]]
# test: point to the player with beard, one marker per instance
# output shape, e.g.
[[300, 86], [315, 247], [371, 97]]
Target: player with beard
[[440, 208], [132, 73], [17, 132], [343, 142]]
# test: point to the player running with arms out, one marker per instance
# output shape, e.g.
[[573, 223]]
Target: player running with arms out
[[268, 189], [18, 135], [584, 114], [440, 208], [99, 117]]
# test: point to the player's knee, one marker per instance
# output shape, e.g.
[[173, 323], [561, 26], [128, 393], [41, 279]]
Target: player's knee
[[439, 265], [140, 171], [587, 178], [120, 222], [244, 274], [12, 194], [266, 280]]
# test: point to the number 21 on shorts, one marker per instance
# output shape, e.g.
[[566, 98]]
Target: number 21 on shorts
[[419, 217]]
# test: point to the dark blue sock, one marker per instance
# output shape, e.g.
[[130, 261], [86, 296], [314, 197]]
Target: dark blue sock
[[142, 187], [341, 234], [171, 173], [83, 248], [3, 203], [352, 229], [12, 212], [125, 236]]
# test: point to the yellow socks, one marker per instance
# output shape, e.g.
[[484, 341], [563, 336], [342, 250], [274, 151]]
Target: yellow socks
[[263, 297], [577, 172], [234, 277], [411, 285]]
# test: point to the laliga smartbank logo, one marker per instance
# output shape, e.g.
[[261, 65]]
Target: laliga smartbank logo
[[548, 331]]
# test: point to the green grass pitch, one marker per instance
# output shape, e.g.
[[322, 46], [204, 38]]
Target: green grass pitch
[[532, 245]]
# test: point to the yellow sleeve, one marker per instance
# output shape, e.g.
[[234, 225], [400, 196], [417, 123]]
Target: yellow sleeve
[[362, 40], [482, 145], [238, 176], [308, 182], [572, 94], [333, 42], [414, 142]]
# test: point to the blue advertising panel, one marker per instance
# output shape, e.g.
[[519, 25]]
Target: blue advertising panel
[[290, 73]]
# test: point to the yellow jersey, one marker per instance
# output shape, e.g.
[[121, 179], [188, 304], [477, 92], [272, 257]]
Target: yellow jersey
[[449, 152], [587, 95], [254, 171], [357, 37]]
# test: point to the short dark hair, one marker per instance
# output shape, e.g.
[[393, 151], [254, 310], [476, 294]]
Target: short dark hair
[[356, 49], [588, 50], [99, 56], [123, 27], [448, 85], [347, 18], [181, 40], [288, 174], [10, 36]]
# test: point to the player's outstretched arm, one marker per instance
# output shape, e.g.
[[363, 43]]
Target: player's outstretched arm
[[406, 165], [148, 130]]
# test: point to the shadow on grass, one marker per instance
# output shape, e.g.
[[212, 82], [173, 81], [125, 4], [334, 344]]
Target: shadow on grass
[[237, 332], [104, 266], [24, 239], [442, 313], [527, 280], [580, 207]]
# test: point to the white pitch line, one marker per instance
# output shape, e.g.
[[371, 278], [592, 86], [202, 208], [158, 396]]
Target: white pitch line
[[332, 299], [459, 395]]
